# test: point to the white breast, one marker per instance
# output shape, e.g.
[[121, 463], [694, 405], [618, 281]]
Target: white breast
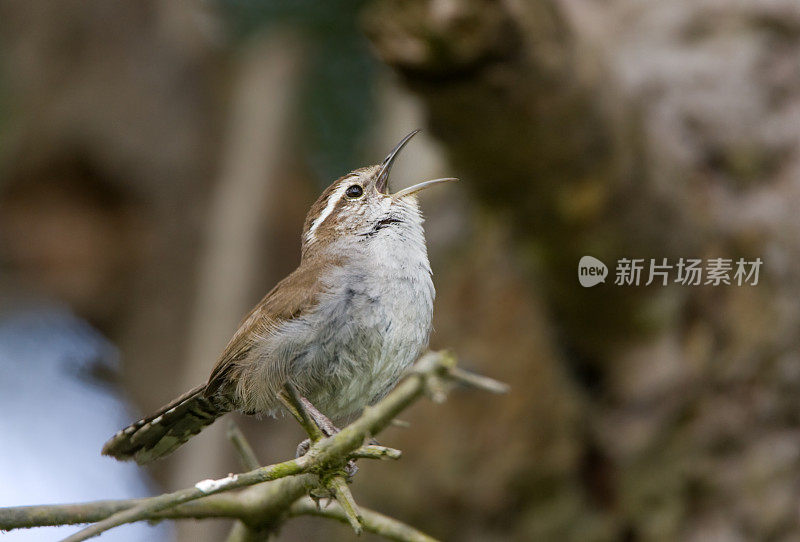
[[373, 322]]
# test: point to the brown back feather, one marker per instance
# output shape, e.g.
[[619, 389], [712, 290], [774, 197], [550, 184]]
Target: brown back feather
[[290, 298]]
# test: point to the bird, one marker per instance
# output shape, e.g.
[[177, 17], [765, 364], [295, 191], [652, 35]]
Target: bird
[[341, 329]]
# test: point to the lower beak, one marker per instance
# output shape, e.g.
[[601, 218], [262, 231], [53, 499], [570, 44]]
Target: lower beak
[[421, 186]]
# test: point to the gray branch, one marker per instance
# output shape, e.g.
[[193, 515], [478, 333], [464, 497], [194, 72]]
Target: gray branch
[[263, 507]]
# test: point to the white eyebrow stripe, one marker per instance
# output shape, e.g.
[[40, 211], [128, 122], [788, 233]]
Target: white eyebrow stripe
[[332, 199]]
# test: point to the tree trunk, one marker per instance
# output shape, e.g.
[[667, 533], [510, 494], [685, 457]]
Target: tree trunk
[[637, 130]]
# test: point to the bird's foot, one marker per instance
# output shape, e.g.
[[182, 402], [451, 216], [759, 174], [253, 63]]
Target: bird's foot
[[350, 468], [328, 429], [322, 421]]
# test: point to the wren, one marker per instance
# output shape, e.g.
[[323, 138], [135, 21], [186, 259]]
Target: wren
[[341, 328]]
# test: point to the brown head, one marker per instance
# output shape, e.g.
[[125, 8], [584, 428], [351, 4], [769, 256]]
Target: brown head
[[361, 205]]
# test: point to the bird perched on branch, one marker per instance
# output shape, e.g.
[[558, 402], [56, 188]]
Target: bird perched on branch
[[340, 329]]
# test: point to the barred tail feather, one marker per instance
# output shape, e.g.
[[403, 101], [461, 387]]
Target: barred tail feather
[[161, 433]]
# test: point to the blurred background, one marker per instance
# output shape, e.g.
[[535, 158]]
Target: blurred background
[[157, 159]]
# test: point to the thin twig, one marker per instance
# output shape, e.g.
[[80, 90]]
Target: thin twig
[[474, 380], [241, 532], [247, 457], [372, 521], [373, 451], [344, 497]]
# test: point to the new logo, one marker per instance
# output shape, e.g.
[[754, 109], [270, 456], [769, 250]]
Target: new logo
[[591, 271]]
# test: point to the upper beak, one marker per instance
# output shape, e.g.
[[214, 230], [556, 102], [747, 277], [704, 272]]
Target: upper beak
[[382, 184]]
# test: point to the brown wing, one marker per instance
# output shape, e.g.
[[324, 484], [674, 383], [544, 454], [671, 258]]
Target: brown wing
[[290, 298]]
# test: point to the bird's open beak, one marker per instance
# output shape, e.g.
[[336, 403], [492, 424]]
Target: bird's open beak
[[382, 184]]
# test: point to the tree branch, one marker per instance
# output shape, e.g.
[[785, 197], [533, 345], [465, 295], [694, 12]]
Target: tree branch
[[201, 489], [240, 531], [247, 456], [263, 507], [372, 521]]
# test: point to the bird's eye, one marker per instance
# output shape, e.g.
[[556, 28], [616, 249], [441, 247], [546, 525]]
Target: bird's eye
[[354, 191]]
